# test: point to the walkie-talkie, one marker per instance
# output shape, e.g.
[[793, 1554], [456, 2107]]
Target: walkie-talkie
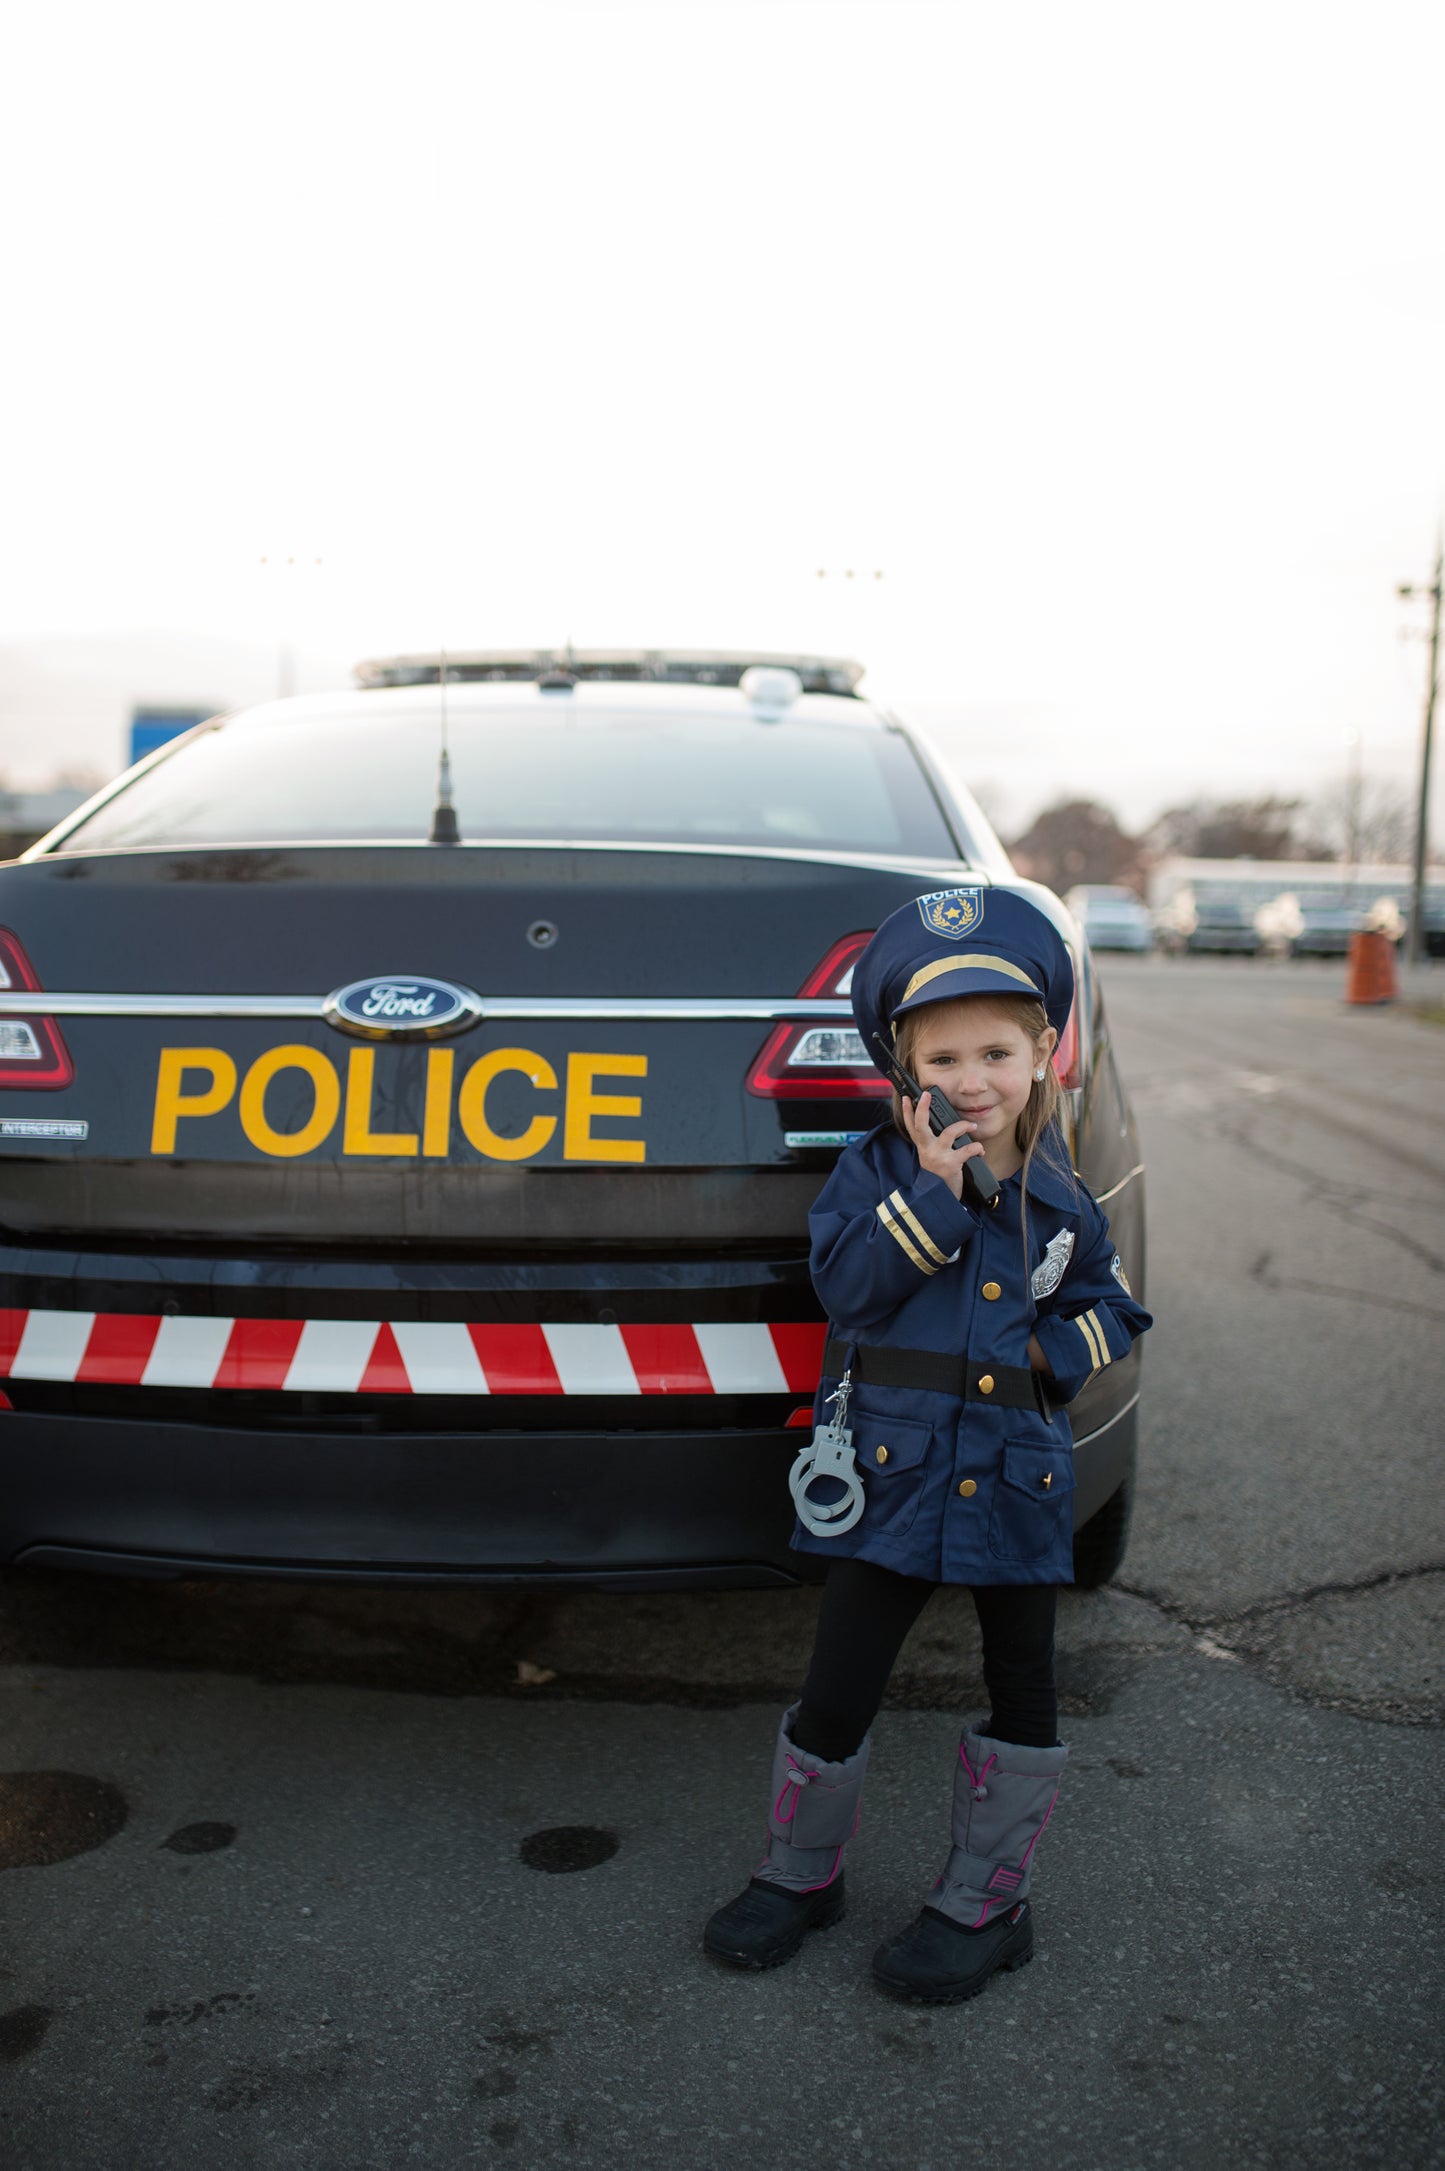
[[980, 1185]]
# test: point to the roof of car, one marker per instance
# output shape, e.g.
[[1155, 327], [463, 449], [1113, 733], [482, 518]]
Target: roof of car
[[592, 698]]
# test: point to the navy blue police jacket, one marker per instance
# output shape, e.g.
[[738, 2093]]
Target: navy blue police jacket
[[958, 1491]]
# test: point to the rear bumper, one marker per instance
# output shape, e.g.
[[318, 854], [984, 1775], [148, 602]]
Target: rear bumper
[[642, 1510]]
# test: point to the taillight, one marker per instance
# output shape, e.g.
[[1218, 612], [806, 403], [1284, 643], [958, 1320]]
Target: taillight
[[1068, 1056], [820, 1062], [32, 1052]]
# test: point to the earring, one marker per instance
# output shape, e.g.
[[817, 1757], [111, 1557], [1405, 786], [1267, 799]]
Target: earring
[[1040, 1076]]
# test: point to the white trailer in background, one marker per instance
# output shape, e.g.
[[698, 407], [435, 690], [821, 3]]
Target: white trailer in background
[[1302, 907]]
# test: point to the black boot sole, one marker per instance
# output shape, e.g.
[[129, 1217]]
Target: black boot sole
[[910, 1996], [956, 1993], [753, 1963]]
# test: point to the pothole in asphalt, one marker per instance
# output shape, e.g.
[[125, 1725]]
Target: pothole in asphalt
[[48, 1816], [563, 1847], [22, 2030], [200, 1838]]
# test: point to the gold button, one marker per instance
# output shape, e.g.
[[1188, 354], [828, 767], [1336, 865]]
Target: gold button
[[992, 1290], [985, 1385], [880, 1454], [967, 1489]]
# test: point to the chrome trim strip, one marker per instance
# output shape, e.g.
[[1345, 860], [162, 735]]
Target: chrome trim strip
[[1113, 1190], [1098, 1433], [35, 1003], [949, 870]]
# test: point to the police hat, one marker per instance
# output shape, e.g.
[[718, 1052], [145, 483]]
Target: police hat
[[961, 942]]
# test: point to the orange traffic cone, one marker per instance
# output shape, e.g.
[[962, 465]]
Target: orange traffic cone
[[1371, 976]]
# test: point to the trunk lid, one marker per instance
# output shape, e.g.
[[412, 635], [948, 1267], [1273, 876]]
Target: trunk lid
[[261, 1120]]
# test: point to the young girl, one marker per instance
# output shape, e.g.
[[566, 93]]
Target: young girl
[[956, 1337]]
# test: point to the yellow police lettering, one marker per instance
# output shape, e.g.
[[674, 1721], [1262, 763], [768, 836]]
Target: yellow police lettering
[[472, 1104], [357, 1135], [172, 1103], [436, 1127], [584, 1102], [326, 1106]]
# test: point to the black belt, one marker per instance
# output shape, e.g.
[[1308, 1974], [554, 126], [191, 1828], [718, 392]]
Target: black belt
[[929, 1371]]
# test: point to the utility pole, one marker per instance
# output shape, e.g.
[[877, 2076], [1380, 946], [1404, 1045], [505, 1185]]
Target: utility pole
[[1354, 811], [1407, 589]]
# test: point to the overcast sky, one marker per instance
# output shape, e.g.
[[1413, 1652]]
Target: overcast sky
[[1111, 335]]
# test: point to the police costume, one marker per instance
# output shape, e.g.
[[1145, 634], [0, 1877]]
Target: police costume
[[964, 1455], [952, 1459]]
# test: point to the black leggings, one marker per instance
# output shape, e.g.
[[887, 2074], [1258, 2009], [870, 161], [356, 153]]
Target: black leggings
[[865, 1615]]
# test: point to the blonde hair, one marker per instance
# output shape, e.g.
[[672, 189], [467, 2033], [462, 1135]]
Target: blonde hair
[[1040, 1112]]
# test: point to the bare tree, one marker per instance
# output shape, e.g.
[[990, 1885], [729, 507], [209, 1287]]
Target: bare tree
[[1078, 840], [1360, 818], [1266, 828]]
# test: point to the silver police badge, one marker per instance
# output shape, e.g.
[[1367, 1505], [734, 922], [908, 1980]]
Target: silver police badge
[[953, 913], [1050, 1270]]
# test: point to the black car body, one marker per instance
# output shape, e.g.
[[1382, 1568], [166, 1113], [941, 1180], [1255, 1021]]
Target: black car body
[[523, 1298]]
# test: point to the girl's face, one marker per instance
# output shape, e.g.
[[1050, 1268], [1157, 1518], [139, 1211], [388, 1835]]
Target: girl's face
[[982, 1060]]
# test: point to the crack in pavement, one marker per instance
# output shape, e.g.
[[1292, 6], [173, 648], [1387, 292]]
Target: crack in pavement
[[1285, 1092], [1259, 1272], [1226, 1636], [1287, 1603], [1340, 1198]]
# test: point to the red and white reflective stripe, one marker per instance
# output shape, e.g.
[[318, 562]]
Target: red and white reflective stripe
[[411, 1357]]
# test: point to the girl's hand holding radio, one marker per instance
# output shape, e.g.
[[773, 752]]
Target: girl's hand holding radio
[[945, 1155]]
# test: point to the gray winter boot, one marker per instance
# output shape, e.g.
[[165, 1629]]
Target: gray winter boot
[[977, 1917], [798, 1887]]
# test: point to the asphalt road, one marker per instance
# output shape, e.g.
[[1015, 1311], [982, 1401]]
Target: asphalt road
[[297, 1909]]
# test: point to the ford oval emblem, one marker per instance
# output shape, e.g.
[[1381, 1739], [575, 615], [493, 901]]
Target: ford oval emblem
[[402, 1006]]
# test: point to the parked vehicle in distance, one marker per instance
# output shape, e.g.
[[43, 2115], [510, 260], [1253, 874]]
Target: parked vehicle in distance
[[1208, 916], [383, 1203], [1112, 917], [1298, 907], [1326, 919]]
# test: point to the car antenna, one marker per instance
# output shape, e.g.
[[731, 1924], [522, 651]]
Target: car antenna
[[444, 828]]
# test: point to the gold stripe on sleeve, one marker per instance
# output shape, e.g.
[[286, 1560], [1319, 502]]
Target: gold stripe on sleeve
[[904, 1243], [1098, 1326], [1082, 1323], [905, 1213]]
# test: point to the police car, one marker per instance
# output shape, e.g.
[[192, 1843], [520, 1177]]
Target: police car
[[410, 1104]]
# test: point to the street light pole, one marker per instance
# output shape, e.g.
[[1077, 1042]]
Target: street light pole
[[1416, 943]]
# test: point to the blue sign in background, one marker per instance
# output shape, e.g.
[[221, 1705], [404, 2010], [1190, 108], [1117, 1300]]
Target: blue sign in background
[[150, 728]]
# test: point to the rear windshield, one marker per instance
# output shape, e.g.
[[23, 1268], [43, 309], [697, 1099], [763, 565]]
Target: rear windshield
[[536, 774]]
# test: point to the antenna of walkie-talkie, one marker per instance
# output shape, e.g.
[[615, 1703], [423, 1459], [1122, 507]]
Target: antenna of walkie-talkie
[[444, 828]]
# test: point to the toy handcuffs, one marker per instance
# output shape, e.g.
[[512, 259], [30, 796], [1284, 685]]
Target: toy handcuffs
[[829, 1454]]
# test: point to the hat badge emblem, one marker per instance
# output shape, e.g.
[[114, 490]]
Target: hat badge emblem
[[952, 913]]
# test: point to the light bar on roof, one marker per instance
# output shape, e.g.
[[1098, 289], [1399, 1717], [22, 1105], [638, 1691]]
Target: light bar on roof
[[638, 666]]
